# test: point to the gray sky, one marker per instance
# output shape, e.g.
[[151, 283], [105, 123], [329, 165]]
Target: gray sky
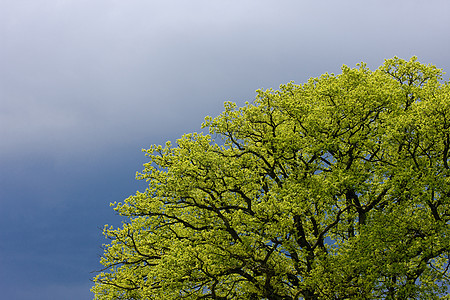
[[79, 73], [84, 85]]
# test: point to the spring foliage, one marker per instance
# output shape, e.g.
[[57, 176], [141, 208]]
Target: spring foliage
[[338, 188]]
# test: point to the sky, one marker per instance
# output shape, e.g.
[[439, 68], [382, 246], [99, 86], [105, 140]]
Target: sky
[[86, 84]]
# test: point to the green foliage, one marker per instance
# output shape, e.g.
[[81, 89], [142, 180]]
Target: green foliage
[[338, 188]]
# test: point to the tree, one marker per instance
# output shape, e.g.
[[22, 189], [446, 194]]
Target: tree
[[337, 188]]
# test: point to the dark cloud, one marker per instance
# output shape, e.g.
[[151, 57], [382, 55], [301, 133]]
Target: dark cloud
[[85, 84]]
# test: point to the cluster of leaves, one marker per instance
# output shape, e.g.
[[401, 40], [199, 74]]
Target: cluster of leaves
[[338, 188]]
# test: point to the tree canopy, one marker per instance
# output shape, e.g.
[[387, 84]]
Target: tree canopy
[[338, 188]]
